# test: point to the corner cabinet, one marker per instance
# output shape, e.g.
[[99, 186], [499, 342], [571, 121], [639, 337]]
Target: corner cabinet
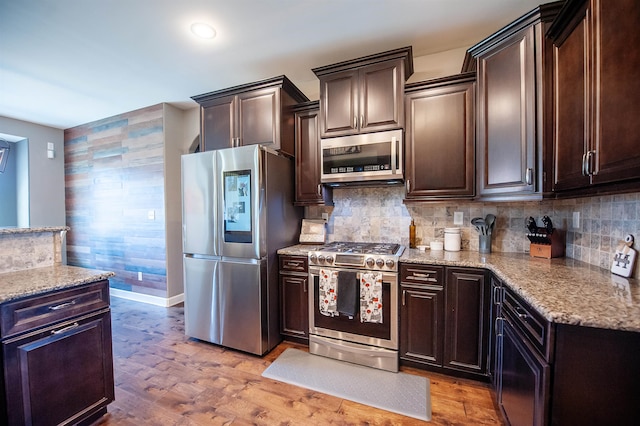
[[444, 319], [440, 138], [513, 70], [57, 356], [294, 298], [596, 80], [309, 189], [364, 95], [255, 113]]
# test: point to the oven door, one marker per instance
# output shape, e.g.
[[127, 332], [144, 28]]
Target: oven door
[[384, 335]]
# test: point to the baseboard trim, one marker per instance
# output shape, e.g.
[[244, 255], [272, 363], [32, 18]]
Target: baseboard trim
[[146, 298]]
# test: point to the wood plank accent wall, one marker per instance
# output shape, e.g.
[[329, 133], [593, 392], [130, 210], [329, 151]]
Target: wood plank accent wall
[[114, 177]]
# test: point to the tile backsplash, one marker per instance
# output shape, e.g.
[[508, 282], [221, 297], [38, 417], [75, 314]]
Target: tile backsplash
[[378, 214]]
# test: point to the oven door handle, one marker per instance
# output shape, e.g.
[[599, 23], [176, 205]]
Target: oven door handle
[[354, 347]]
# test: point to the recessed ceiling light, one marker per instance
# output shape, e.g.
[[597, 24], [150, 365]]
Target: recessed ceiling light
[[203, 30]]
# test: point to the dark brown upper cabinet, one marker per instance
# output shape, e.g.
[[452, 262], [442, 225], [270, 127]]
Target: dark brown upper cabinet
[[440, 138], [309, 189], [513, 77], [596, 107], [365, 94], [255, 113]]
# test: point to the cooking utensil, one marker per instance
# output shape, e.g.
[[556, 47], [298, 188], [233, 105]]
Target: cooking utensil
[[480, 225], [490, 221]]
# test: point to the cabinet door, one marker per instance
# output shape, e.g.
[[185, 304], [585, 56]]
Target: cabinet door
[[507, 116], [295, 302], [59, 375], [422, 324], [218, 129], [339, 103], [467, 318], [381, 96], [309, 190], [525, 381], [617, 85], [571, 138], [440, 142], [259, 117]]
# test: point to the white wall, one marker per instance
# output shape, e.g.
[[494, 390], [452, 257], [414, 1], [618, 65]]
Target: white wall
[[46, 176], [180, 128]]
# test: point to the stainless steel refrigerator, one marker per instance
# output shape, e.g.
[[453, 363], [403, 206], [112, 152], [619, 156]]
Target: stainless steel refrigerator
[[237, 211]]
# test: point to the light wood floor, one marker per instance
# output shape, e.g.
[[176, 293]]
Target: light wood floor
[[164, 378]]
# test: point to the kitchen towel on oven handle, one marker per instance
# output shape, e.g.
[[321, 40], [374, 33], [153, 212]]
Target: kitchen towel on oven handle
[[328, 296], [348, 293], [371, 297]]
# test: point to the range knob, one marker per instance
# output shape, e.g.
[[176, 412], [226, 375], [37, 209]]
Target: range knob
[[370, 262], [320, 258], [390, 263], [380, 263], [313, 258], [329, 259]]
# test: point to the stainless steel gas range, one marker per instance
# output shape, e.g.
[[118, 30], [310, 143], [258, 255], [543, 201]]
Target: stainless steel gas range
[[353, 308]]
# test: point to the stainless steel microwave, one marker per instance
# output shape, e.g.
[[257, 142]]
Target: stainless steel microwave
[[369, 158]]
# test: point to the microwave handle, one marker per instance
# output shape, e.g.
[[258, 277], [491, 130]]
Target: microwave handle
[[394, 151]]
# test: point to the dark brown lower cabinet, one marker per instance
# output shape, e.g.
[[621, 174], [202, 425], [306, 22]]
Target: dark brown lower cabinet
[[444, 319], [294, 301], [467, 320], [61, 372], [524, 380]]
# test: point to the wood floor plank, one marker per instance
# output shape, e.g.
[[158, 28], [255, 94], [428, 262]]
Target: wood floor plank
[[165, 378]]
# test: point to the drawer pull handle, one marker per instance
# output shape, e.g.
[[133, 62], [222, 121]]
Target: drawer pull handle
[[62, 306], [63, 330], [520, 313], [293, 264], [423, 277]]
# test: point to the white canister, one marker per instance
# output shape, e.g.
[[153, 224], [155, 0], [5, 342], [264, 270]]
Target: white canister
[[452, 239]]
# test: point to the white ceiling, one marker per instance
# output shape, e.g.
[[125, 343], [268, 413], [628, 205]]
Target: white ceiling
[[68, 62]]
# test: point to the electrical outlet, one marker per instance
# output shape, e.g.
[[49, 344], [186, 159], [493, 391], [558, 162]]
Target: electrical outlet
[[325, 216], [139, 276], [151, 214], [458, 218], [576, 220]]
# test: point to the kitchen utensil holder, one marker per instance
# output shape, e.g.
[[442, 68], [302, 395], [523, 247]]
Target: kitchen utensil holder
[[550, 245], [484, 243]]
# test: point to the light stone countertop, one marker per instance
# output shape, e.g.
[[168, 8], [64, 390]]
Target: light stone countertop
[[28, 282], [6, 231], [563, 290]]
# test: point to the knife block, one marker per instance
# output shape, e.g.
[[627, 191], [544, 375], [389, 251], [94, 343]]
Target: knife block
[[554, 248]]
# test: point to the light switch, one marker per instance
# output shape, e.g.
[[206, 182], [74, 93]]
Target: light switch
[[576, 220], [151, 215]]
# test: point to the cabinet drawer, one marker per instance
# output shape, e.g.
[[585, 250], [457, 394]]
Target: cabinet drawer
[[535, 328], [48, 308], [293, 264], [421, 274]]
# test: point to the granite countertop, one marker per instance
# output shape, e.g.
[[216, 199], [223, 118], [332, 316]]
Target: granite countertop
[[6, 231], [33, 281], [563, 290]]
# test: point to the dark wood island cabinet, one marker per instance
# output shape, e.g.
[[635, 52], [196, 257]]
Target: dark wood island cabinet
[[57, 362]]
